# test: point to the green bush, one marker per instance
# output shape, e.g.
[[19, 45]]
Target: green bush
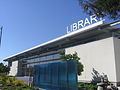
[[11, 83], [19, 83], [86, 86]]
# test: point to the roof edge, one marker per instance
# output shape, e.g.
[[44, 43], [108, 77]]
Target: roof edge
[[59, 38]]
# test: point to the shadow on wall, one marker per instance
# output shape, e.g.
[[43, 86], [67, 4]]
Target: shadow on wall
[[96, 76]]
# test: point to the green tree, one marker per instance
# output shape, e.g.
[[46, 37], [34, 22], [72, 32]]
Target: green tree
[[4, 68], [74, 56], [109, 8]]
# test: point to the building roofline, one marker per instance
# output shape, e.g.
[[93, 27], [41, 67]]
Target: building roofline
[[59, 38]]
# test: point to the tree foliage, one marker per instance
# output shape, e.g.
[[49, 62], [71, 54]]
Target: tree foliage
[[4, 68], [74, 56], [101, 8]]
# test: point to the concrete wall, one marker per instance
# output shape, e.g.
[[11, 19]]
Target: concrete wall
[[97, 56], [117, 57], [14, 68]]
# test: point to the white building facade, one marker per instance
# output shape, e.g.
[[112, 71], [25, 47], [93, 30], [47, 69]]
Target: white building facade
[[97, 45], [99, 57]]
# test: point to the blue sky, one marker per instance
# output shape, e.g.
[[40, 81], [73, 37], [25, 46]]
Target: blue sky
[[27, 23]]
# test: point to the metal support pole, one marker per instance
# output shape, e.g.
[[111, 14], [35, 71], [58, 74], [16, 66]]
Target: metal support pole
[[1, 35]]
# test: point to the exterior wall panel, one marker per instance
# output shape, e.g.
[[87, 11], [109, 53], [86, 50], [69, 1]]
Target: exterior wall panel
[[14, 68], [117, 57], [97, 58]]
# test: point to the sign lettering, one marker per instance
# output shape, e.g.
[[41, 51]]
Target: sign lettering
[[83, 23]]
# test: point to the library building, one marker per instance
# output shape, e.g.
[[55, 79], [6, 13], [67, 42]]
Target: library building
[[97, 44]]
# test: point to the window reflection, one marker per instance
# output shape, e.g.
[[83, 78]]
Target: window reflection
[[29, 64], [43, 58]]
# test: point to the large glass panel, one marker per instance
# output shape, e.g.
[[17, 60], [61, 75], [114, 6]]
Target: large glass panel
[[72, 74], [56, 75], [63, 75]]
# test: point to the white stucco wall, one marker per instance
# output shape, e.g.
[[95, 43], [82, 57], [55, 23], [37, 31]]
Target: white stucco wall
[[14, 68], [117, 57], [98, 55]]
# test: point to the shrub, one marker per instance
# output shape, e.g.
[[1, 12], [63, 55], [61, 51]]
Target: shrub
[[11, 83], [19, 83], [87, 86]]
